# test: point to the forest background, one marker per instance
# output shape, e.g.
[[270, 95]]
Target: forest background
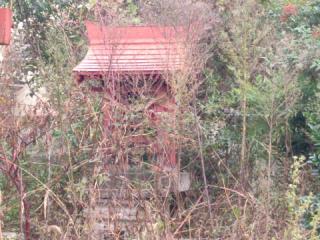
[[249, 121]]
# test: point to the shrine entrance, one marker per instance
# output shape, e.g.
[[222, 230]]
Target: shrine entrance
[[132, 66]]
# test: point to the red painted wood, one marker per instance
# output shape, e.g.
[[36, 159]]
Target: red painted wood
[[5, 26], [100, 34], [137, 51]]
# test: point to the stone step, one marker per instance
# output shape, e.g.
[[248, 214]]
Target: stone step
[[146, 179], [123, 194], [117, 213]]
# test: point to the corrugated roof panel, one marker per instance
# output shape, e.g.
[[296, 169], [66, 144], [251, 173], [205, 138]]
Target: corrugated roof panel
[[132, 50]]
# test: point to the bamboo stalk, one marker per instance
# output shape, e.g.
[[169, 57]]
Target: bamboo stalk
[[1, 214]]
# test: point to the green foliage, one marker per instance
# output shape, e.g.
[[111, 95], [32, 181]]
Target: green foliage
[[304, 218], [296, 207], [263, 75], [132, 10]]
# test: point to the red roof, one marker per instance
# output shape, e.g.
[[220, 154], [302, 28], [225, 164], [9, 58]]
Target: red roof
[[5, 25], [132, 50]]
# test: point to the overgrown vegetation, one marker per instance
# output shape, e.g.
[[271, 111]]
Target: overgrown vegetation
[[246, 123]]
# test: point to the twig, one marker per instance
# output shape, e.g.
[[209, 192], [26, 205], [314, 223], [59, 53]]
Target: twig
[[203, 165], [188, 216], [1, 215]]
